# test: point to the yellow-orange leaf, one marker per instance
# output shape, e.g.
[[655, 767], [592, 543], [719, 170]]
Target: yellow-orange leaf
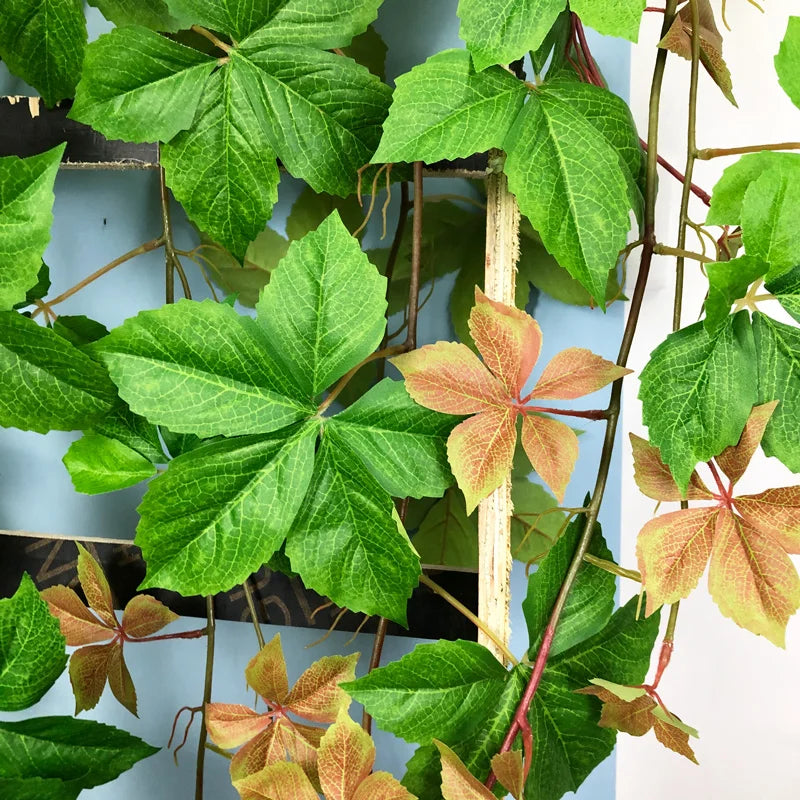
[[345, 758], [510, 772], [480, 451], [654, 479], [552, 448], [120, 681], [673, 551], [88, 671], [458, 783], [733, 460], [316, 695], [144, 616], [508, 339], [95, 586], [448, 377], [281, 781], [382, 786], [266, 672], [674, 739], [231, 724], [575, 372], [268, 747], [78, 625], [751, 579], [776, 513]]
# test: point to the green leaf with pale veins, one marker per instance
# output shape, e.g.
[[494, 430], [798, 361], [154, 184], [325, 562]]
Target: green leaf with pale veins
[[32, 649], [447, 535], [140, 86], [438, 691], [778, 348], [402, 443], [133, 431], [697, 392], [786, 288], [217, 381], [42, 41], [787, 61], [148, 13], [26, 203], [48, 384], [220, 511], [443, 109], [590, 603], [570, 179], [322, 311], [98, 464], [347, 542], [79, 329], [611, 17], [80, 752], [727, 282]]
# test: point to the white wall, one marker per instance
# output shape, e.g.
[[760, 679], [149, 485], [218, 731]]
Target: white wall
[[740, 691]]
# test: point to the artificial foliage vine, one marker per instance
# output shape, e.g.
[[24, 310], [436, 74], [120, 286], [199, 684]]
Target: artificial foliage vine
[[268, 431]]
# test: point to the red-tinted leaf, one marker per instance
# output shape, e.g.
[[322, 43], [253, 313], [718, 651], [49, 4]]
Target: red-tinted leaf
[[302, 743], [508, 339], [458, 783], [480, 451], [78, 625], [144, 616], [673, 551], [346, 755], [776, 513], [88, 671], [382, 786], [316, 695], [120, 681], [751, 579], [266, 672], [674, 739], [448, 377], [733, 460], [95, 586], [230, 724], [634, 717], [575, 372], [267, 748], [281, 781], [510, 772], [552, 448], [654, 479]]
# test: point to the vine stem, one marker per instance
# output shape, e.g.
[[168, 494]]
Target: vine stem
[[701, 194], [520, 721], [251, 605], [226, 48], [203, 736], [171, 260], [614, 569], [416, 258], [680, 252], [708, 153]]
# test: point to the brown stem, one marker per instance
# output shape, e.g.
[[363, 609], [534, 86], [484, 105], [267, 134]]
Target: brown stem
[[195, 634], [201, 743], [251, 605], [171, 260], [374, 663], [718, 152], [226, 48], [566, 412], [416, 258]]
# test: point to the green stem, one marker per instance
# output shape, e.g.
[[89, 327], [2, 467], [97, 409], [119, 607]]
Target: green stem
[[416, 258], [614, 569], [226, 48], [251, 604], [203, 737], [708, 153], [681, 253]]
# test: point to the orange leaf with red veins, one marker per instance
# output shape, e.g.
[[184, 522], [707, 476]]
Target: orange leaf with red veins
[[302, 743], [458, 783], [481, 451], [78, 625], [231, 724], [345, 758], [266, 672], [508, 339], [510, 772], [268, 747], [673, 551], [751, 579], [144, 616], [120, 681], [281, 781], [95, 586], [776, 513], [654, 479], [448, 377], [382, 786], [733, 460], [575, 372], [674, 739], [88, 671], [552, 448], [316, 695]]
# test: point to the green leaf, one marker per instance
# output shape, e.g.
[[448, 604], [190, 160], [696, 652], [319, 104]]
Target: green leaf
[[149, 13], [37, 291], [220, 511], [778, 348], [133, 431], [217, 381], [369, 50], [727, 282], [37, 789], [554, 43], [42, 41], [179, 443], [322, 312], [786, 288], [787, 61], [26, 203], [312, 208], [447, 535], [348, 519], [611, 17], [697, 392], [98, 464], [532, 532], [389, 432], [80, 752], [47, 383], [443, 109], [32, 653], [438, 691], [79, 329], [590, 603], [140, 86], [571, 181]]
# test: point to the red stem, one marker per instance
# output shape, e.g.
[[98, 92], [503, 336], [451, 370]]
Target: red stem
[[726, 494], [663, 661], [655, 9], [594, 413], [701, 194], [195, 634]]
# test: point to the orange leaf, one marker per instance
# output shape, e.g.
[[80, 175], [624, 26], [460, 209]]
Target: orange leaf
[[95, 586], [552, 448], [776, 513], [508, 339], [266, 672], [480, 451], [281, 781], [346, 755], [88, 671], [120, 681], [673, 551], [316, 695], [268, 747], [302, 743], [458, 783], [674, 739], [382, 786], [575, 372], [230, 724], [752, 580], [144, 616], [510, 772], [448, 377], [78, 624], [634, 717], [654, 479], [733, 460]]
